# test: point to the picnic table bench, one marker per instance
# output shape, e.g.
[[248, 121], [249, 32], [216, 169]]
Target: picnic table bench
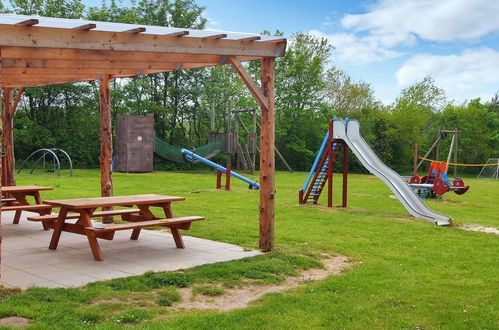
[[84, 209], [17, 201]]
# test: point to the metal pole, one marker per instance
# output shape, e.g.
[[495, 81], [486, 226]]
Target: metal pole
[[345, 175], [189, 154]]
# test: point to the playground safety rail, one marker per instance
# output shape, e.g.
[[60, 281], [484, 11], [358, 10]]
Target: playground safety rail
[[189, 155]]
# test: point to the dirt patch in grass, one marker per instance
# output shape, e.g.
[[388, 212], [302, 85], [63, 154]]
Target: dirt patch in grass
[[241, 297], [470, 227], [14, 321]]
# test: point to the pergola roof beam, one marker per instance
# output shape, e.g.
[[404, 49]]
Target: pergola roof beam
[[45, 54], [255, 38], [29, 22], [43, 37], [216, 36], [136, 30], [178, 34], [86, 27]]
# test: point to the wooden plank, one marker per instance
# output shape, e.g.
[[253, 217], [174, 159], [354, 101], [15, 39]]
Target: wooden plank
[[106, 141], [29, 207], [248, 81], [178, 34], [29, 22], [96, 202], [42, 37], [215, 36], [136, 30], [86, 27], [8, 132], [56, 64], [14, 189], [276, 40], [114, 56], [267, 158], [18, 99], [146, 223], [34, 80], [255, 38], [98, 214]]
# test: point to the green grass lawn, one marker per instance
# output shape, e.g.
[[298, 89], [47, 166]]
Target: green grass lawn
[[410, 273]]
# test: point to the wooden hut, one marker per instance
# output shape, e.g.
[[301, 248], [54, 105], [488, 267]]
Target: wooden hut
[[42, 51]]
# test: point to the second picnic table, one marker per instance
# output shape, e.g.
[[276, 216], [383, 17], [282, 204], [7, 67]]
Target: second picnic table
[[16, 200], [84, 208]]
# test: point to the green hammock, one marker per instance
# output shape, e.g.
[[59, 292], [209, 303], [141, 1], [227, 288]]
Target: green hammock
[[172, 153]]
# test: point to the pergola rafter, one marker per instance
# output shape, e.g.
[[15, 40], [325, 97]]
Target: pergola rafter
[[44, 51]]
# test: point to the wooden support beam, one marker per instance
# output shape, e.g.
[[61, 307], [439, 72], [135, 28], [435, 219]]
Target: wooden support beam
[[136, 30], [248, 81], [215, 36], [267, 158], [255, 38], [86, 27], [29, 22], [43, 37], [31, 65], [42, 55], [1, 183], [178, 34], [8, 132], [276, 40], [106, 141], [20, 92]]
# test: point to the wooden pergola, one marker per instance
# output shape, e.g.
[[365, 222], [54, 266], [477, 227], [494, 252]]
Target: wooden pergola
[[42, 51]]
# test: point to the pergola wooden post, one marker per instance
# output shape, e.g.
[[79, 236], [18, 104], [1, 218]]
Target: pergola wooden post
[[8, 133], [106, 141], [46, 51], [267, 158]]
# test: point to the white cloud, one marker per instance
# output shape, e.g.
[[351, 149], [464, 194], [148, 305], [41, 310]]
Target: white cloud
[[473, 73], [389, 24], [349, 48], [395, 22]]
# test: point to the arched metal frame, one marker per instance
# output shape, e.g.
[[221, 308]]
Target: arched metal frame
[[51, 151]]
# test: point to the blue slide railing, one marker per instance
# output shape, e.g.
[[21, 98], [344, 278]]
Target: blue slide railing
[[319, 155], [189, 155]]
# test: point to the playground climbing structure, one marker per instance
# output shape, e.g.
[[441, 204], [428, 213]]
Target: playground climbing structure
[[322, 171], [348, 132]]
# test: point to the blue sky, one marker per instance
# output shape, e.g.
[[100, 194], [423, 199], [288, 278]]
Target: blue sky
[[387, 43]]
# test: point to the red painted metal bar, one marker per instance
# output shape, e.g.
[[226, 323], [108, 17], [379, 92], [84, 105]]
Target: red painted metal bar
[[227, 177], [345, 176], [300, 197], [219, 179]]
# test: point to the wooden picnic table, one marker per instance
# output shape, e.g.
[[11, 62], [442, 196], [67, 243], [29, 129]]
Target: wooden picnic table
[[86, 207], [18, 200]]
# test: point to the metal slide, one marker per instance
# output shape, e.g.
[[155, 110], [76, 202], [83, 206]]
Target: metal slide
[[351, 134]]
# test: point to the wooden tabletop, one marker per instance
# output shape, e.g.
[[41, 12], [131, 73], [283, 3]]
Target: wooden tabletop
[[83, 203], [14, 189]]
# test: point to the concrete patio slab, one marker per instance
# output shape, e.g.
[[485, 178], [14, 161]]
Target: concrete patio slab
[[27, 261]]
